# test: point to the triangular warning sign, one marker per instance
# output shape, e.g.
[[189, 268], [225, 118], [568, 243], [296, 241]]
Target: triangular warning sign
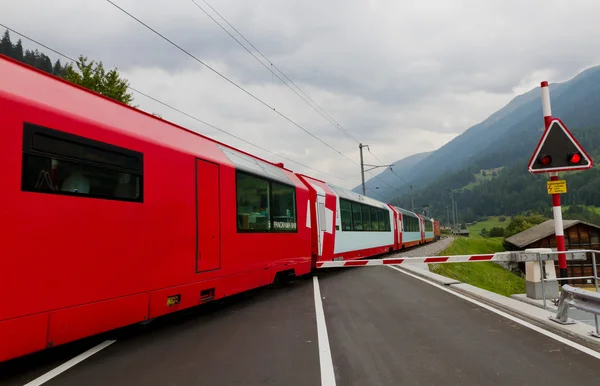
[[558, 150]]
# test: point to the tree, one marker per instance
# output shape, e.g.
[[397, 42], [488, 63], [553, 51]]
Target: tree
[[18, 51], [520, 223], [496, 232], [484, 232], [58, 69], [93, 76], [6, 46]]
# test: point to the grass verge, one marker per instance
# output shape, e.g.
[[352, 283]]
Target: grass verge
[[493, 221], [486, 275]]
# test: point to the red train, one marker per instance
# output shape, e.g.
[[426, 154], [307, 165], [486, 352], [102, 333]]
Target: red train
[[113, 216]]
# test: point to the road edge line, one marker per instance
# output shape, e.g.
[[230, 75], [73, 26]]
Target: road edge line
[[70, 363], [507, 315], [325, 360]]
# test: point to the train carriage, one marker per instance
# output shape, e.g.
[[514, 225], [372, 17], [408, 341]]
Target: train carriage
[[114, 216], [411, 228], [428, 225], [365, 226]]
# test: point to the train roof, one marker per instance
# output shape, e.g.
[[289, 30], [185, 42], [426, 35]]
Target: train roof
[[30, 85], [356, 197], [406, 212]]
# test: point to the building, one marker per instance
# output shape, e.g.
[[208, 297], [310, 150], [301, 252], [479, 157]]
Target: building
[[578, 235]]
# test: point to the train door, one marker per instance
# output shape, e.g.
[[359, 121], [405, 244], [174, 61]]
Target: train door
[[208, 222], [399, 230], [321, 221]]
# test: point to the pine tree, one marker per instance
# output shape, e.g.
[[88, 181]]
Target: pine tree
[[6, 47], [58, 70], [18, 51]]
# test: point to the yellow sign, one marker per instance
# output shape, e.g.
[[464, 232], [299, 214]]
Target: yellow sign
[[557, 187]]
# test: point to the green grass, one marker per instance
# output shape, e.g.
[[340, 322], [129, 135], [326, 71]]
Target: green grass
[[492, 222], [479, 177], [591, 207], [485, 275]]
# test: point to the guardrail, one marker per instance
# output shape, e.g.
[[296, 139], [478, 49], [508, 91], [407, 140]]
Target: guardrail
[[580, 299]]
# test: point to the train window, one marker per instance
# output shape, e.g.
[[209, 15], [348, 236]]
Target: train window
[[366, 218], [357, 217], [60, 163], [264, 205], [428, 226], [346, 209], [252, 203], [283, 207], [381, 222], [374, 223], [386, 221]]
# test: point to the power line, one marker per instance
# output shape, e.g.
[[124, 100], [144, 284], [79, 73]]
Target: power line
[[318, 109], [408, 183], [176, 109], [322, 112], [232, 82]]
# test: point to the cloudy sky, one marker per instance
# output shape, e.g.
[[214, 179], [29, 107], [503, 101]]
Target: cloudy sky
[[401, 76]]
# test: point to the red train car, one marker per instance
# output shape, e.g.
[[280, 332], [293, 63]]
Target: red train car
[[436, 230], [113, 216]]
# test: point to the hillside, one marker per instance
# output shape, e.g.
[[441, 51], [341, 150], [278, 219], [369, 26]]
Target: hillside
[[503, 144], [512, 133]]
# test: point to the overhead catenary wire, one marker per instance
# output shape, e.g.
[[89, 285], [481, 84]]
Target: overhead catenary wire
[[317, 108], [314, 105], [231, 81], [175, 108], [392, 170]]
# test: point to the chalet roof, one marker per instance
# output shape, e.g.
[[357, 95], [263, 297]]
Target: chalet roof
[[541, 231]]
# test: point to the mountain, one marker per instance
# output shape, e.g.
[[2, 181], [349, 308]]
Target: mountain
[[379, 187], [501, 146], [504, 138]]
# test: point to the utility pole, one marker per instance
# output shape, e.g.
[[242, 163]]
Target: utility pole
[[447, 216], [362, 169], [453, 214], [457, 216]]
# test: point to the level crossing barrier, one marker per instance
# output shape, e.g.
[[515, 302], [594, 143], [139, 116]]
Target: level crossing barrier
[[523, 256]]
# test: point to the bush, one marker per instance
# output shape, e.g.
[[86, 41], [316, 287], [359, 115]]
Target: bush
[[502, 218], [484, 232], [496, 232]]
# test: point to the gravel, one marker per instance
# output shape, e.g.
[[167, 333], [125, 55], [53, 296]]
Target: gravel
[[431, 249]]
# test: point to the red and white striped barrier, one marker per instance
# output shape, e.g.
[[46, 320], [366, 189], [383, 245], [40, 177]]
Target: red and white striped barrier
[[501, 256]]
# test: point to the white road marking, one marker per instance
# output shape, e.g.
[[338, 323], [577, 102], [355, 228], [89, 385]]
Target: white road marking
[[327, 374], [67, 365], [549, 334]]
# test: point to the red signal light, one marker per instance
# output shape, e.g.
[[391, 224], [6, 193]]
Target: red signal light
[[545, 160], [574, 158]]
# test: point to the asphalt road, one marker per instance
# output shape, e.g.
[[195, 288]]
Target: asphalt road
[[384, 328]]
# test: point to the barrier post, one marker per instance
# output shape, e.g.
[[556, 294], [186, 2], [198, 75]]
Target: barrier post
[[535, 286]]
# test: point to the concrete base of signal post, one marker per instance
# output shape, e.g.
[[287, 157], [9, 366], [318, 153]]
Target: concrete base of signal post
[[534, 288]]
